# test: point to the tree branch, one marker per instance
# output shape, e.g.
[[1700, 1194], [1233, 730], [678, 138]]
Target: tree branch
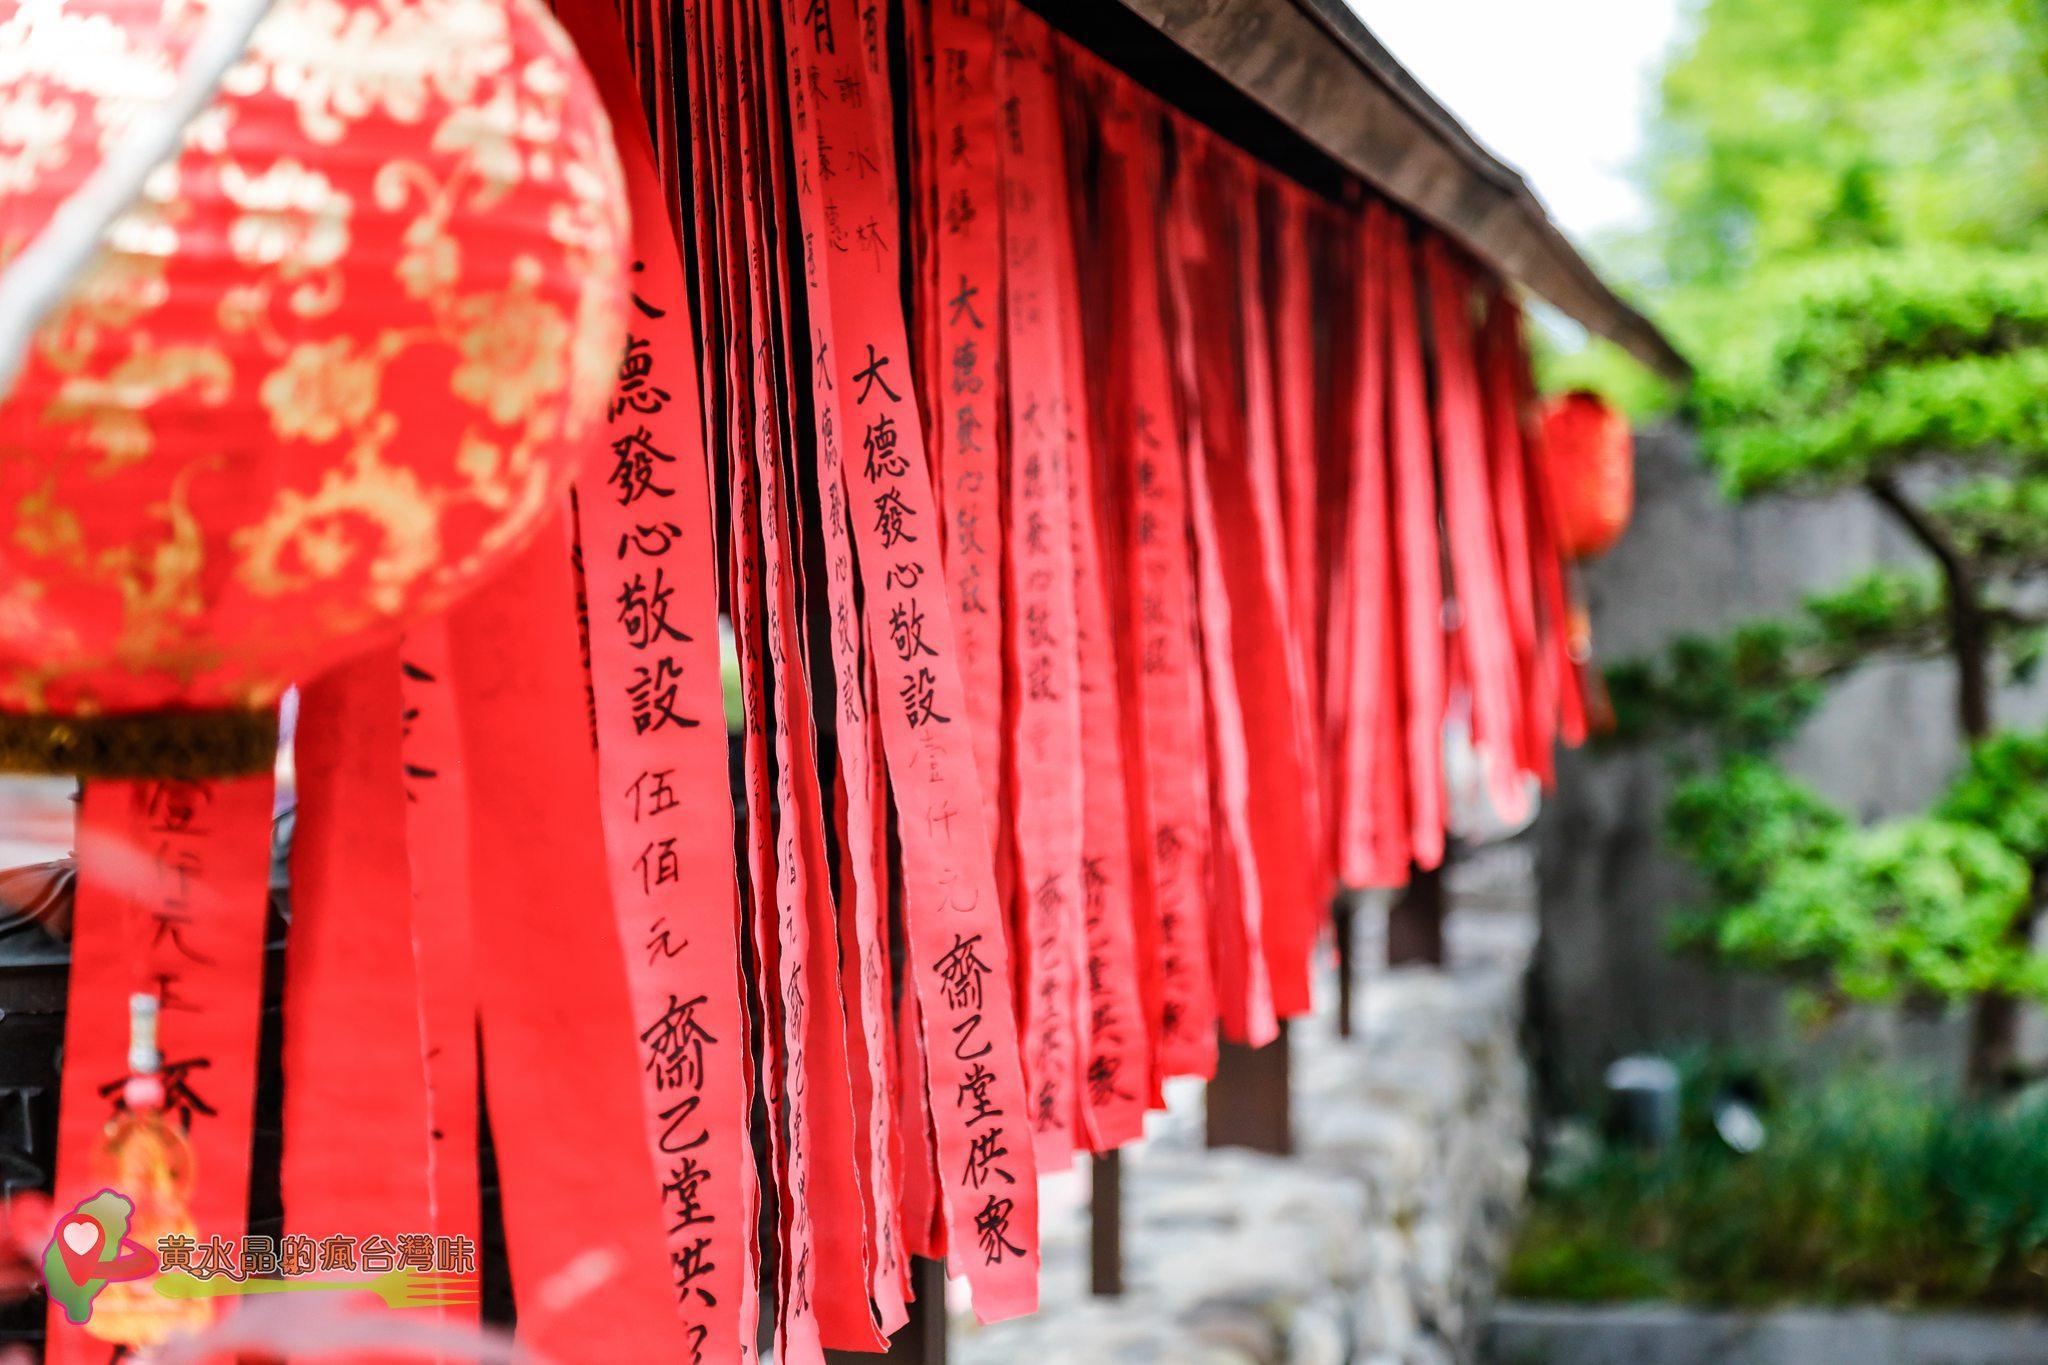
[[1969, 639], [1920, 526]]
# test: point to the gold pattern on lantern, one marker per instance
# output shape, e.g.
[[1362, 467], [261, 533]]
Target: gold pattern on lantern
[[292, 217], [338, 63], [432, 260], [339, 299], [114, 291], [159, 582], [513, 345], [110, 410], [45, 528], [364, 510], [321, 390]]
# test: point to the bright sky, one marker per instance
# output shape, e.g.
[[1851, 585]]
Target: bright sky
[[1560, 90]]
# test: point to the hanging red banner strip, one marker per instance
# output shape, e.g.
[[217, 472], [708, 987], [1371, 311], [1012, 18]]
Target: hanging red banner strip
[[1486, 639], [1374, 837], [354, 1055], [1044, 659], [645, 530], [837, 83], [830, 1186], [779, 922], [716, 354], [862, 928], [1150, 463], [1300, 376], [1115, 1061], [1266, 639], [924, 1221], [437, 859], [1500, 355], [1565, 715], [1202, 278], [560, 1037], [173, 881], [1417, 552], [964, 392]]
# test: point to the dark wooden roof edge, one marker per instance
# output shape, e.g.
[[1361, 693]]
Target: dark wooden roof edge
[[1316, 68]]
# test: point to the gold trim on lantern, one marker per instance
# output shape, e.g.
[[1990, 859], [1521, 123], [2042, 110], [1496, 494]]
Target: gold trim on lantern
[[175, 744]]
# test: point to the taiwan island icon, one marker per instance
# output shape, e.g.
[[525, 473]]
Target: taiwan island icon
[[89, 1250]]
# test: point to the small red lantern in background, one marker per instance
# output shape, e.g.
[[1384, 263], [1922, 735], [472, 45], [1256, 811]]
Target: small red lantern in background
[[331, 367], [1589, 455]]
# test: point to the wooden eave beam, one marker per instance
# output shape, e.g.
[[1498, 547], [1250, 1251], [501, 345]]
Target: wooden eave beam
[[1316, 68]]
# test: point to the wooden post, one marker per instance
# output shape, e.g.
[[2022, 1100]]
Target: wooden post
[[1249, 1102], [1415, 922], [921, 1340], [1344, 924], [1106, 1224]]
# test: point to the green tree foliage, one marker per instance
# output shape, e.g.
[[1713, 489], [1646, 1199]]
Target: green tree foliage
[[1850, 367], [1920, 379], [1923, 906], [1851, 204], [1791, 130], [1787, 128], [1752, 688], [2003, 789]]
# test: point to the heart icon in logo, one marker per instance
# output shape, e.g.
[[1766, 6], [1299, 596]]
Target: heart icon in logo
[[78, 1242], [82, 1235]]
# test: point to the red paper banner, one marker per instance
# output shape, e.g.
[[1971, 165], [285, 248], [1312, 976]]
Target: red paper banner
[[1374, 835], [1266, 640], [1201, 277], [1044, 658], [437, 858], [592, 1272], [1300, 376], [1417, 552], [924, 1221], [964, 394], [837, 82], [831, 1188], [173, 880], [1500, 359], [1151, 464], [716, 359], [645, 530], [1485, 637], [863, 932], [355, 1068], [1115, 1061]]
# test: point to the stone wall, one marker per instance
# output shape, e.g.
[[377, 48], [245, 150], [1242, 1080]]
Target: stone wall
[[1379, 1241]]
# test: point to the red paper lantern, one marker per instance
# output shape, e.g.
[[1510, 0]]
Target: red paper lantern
[[1590, 456], [333, 365]]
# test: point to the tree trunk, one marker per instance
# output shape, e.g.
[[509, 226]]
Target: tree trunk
[[1993, 1064], [1994, 1016]]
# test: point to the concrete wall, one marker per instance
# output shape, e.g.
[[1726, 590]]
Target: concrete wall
[[1606, 983]]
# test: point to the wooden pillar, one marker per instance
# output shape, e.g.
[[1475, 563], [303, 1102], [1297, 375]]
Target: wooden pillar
[[1344, 926], [1249, 1101], [921, 1340], [1106, 1224], [1415, 922]]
